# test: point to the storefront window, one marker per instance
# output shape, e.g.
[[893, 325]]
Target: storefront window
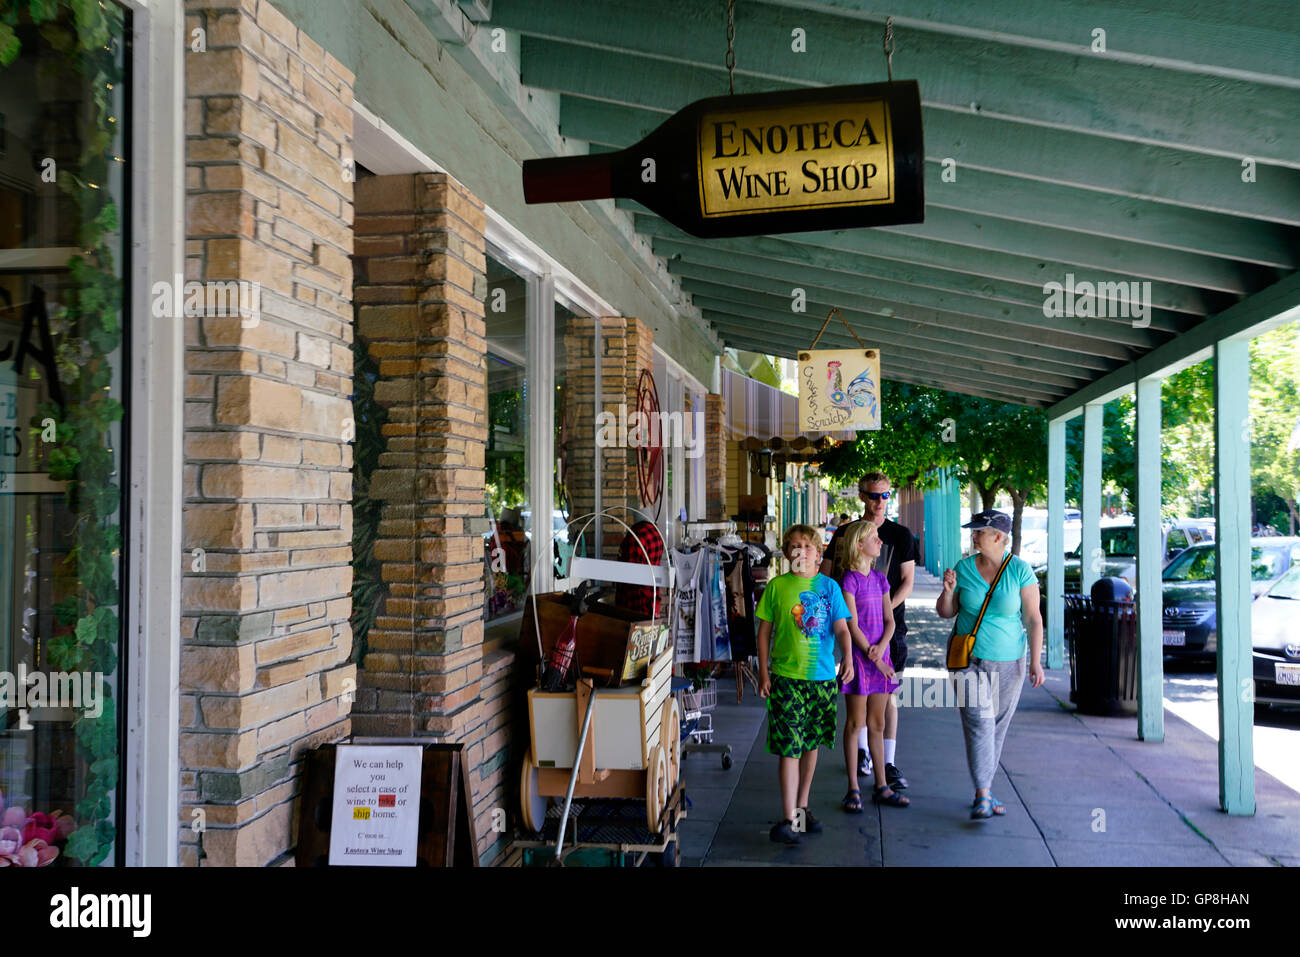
[[576, 338], [507, 555], [62, 197]]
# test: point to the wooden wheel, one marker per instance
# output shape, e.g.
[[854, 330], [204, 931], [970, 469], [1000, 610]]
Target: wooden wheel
[[670, 739], [531, 803], [656, 788]]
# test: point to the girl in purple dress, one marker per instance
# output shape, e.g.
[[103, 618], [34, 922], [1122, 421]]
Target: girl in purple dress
[[866, 590]]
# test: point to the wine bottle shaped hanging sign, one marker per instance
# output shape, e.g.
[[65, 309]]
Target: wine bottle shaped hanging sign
[[837, 157]]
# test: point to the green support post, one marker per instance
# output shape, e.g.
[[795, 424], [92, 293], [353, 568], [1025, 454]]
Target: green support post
[[1232, 555], [1147, 466], [940, 527], [952, 520], [927, 531], [1055, 543], [1090, 554]]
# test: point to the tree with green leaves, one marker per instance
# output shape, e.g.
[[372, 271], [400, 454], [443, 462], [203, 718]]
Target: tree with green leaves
[[1022, 449], [1001, 447], [1187, 440], [907, 447], [976, 429], [993, 445], [1275, 417]]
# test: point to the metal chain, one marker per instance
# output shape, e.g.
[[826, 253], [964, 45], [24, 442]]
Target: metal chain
[[731, 46], [889, 47]]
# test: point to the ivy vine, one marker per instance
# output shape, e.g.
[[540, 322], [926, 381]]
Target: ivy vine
[[88, 35], [367, 584]]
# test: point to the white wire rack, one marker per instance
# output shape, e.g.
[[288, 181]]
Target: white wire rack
[[697, 720], [702, 701]]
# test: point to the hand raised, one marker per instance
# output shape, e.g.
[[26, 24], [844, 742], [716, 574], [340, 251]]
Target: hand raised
[[949, 579]]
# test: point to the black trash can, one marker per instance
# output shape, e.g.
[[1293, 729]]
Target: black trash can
[[1101, 637]]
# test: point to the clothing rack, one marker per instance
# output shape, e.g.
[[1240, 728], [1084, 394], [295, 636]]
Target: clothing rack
[[607, 570], [742, 669], [695, 529]]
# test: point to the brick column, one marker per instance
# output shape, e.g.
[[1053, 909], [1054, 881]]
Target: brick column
[[715, 458], [267, 520], [420, 290], [627, 347], [617, 468], [580, 425]]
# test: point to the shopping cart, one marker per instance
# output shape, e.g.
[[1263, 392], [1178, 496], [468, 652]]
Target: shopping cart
[[697, 721]]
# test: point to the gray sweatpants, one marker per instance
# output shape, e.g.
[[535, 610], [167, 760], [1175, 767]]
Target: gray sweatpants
[[991, 694]]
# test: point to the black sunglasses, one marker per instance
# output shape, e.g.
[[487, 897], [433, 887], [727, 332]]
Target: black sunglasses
[[877, 496]]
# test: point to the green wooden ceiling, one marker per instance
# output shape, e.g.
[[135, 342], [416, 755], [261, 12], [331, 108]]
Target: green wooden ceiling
[[1119, 166]]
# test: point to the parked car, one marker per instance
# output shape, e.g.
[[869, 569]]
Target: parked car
[[1119, 543], [1033, 535], [1185, 533], [1275, 635], [1190, 616], [559, 529]]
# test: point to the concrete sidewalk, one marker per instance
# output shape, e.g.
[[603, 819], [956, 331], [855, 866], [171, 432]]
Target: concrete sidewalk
[[1079, 791]]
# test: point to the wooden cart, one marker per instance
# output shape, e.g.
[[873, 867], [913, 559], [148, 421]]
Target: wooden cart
[[608, 742], [626, 741]]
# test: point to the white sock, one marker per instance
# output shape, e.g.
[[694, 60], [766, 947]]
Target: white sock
[[864, 740], [891, 745]]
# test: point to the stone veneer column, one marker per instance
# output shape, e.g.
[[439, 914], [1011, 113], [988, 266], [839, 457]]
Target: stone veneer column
[[626, 348], [715, 458], [640, 356], [617, 467], [267, 518], [420, 291], [580, 424]]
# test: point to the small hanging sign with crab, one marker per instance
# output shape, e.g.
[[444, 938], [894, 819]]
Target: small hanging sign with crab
[[839, 389]]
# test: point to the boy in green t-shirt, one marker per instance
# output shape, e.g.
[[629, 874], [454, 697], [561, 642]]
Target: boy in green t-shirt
[[802, 615]]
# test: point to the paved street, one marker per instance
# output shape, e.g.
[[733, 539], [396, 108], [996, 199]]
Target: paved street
[[1191, 692]]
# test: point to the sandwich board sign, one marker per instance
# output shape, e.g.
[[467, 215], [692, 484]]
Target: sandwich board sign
[[376, 813]]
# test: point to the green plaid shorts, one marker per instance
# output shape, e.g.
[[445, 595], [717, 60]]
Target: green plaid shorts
[[800, 715]]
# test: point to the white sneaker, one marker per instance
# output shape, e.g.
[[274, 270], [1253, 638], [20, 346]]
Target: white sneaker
[[864, 763]]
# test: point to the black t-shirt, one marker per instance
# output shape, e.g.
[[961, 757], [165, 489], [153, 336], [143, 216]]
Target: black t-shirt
[[902, 548]]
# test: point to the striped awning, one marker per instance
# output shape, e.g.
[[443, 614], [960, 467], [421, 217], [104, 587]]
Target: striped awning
[[756, 410]]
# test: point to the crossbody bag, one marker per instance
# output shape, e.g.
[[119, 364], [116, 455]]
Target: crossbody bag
[[960, 646]]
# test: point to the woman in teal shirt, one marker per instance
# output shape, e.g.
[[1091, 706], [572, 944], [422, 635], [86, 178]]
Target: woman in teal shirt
[[996, 673]]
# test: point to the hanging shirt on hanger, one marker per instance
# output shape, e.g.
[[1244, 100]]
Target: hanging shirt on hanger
[[686, 633], [740, 605], [719, 634]]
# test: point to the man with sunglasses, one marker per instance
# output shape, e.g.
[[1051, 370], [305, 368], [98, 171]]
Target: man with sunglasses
[[900, 546]]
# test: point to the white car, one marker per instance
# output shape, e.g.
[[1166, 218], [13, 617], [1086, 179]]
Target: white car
[[1275, 635], [559, 529], [1033, 534]]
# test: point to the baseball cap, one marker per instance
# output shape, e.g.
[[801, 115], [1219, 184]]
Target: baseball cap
[[990, 518]]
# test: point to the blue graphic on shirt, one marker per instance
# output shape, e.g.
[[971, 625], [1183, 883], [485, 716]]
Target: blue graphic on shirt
[[810, 614]]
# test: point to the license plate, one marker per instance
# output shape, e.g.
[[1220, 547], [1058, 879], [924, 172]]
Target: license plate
[[1175, 636], [1285, 674]]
